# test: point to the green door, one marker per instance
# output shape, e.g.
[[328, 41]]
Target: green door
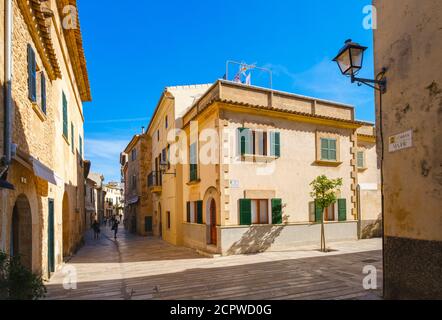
[[51, 250], [148, 224]]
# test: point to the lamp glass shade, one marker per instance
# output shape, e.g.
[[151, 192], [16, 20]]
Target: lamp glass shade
[[350, 58], [344, 62]]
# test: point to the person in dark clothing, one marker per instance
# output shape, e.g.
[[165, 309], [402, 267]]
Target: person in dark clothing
[[115, 228], [96, 228]]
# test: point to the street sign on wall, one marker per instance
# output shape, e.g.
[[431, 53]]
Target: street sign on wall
[[400, 141]]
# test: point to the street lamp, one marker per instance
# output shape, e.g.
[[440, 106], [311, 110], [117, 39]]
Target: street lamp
[[164, 166], [350, 59]]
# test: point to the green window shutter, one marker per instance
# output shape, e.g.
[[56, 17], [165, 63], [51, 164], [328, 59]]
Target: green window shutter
[[275, 144], [72, 138], [318, 212], [342, 209], [65, 116], [328, 149], [80, 144], [43, 93], [332, 149], [361, 159], [32, 74], [199, 212], [188, 211], [276, 211], [244, 141], [324, 149], [245, 212]]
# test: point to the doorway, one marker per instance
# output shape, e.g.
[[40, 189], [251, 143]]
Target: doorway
[[213, 232], [51, 237], [21, 235]]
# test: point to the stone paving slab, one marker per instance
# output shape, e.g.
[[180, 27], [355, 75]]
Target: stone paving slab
[[139, 268]]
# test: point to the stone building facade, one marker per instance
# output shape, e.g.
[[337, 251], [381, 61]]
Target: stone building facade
[[135, 162], [43, 218], [264, 147], [114, 202], [408, 42]]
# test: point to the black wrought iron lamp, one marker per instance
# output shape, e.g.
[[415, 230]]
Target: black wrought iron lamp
[[350, 59]]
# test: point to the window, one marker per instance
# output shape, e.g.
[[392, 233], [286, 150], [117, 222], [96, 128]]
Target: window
[[168, 219], [255, 142], [330, 212], [260, 211], [328, 149], [32, 74], [42, 92], [275, 144], [193, 162], [158, 135], [134, 155], [65, 116], [194, 212], [134, 182], [166, 123], [256, 211], [361, 159], [72, 138], [80, 146]]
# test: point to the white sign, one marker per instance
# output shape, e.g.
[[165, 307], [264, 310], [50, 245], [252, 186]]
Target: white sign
[[234, 184], [401, 141]]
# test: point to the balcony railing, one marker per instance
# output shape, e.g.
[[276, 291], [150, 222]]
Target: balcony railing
[[154, 180]]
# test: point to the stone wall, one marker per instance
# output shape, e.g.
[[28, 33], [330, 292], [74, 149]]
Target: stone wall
[[408, 42]]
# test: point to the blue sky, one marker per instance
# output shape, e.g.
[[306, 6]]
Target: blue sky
[[136, 48]]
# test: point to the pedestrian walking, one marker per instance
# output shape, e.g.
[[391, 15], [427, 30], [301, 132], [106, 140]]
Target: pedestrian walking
[[115, 228], [96, 228]]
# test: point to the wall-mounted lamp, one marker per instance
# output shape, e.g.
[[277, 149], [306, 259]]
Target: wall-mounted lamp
[[350, 59], [164, 166]]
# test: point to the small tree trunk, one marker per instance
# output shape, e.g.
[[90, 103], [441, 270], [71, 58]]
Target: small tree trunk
[[323, 246]]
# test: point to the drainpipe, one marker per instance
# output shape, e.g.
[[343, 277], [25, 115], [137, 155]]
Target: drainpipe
[[6, 161]]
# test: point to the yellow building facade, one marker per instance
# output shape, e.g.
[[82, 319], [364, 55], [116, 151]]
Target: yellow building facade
[[233, 163], [43, 218]]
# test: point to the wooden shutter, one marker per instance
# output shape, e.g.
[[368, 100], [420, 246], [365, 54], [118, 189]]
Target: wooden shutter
[[318, 212], [276, 211], [72, 138], [275, 144], [65, 116], [43, 93], [81, 147], [324, 149], [244, 141], [245, 212], [332, 152], [199, 212], [342, 209], [188, 211], [361, 159], [32, 74]]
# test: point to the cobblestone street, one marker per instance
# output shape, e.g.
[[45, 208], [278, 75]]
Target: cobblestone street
[[145, 268]]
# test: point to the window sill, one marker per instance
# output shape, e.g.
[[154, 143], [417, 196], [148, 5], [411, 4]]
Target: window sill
[[194, 182], [38, 111], [258, 158], [328, 163], [362, 169]]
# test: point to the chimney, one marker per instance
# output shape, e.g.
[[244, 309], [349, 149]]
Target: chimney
[[142, 130]]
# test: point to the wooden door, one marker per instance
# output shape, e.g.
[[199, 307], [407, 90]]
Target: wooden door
[[213, 235]]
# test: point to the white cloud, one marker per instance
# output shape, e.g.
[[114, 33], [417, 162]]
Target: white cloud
[[104, 155]]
